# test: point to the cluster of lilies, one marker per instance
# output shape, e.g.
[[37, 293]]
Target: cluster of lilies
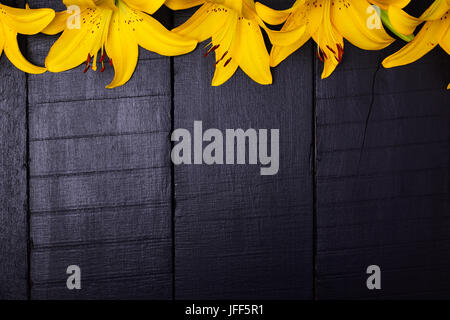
[[111, 31]]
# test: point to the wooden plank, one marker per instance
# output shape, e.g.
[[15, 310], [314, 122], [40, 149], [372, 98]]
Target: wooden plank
[[13, 177], [239, 234], [382, 185], [100, 191]]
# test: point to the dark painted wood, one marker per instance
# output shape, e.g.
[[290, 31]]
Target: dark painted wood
[[13, 178], [238, 234], [383, 177], [100, 180]]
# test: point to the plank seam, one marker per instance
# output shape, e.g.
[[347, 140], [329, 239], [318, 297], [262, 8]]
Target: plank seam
[[93, 136], [99, 242], [28, 192], [92, 173], [87, 99], [344, 204], [151, 204], [382, 94], [172, 171], [108, 278], [382, 174], [314, 151], [345, 123], [412, 144]]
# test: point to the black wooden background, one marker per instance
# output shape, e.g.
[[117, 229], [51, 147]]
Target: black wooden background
[[86, 179]]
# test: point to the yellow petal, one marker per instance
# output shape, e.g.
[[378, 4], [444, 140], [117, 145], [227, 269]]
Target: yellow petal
[[145, 5], [306, 20], [58, 24], [27, 21], [80, 3], [436, 10], [2, 39], [227, 37], [183, 4], [122, 49], [279, 53], [235, 5], [153, 36], [329, 41], [445, 42], [227, 52], [283, 37], [315, 18], [107, 4], [350, 19], [224, 73], [73, 46], [203, 23], [448, 87], [428, 37], [254, 58], [286, 38], [271, 16], [401, 21], [14, 55], [330, 65], [384, 4]]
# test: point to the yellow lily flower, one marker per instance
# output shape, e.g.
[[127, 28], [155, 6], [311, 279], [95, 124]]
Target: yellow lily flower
[[397, 20], [328, 22], [435, 31], [117, 27], [24, 21], [236, 36]]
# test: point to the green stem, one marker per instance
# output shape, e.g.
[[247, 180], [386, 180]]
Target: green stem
[[387, 22]]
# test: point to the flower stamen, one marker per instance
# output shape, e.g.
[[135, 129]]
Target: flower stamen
[[227, 62], [211, 50], [223, 57]]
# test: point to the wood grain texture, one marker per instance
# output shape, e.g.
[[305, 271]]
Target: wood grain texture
[[238, 234], [13, 181], [100, 180], [382, 177]]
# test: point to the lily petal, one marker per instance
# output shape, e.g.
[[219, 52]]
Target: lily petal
[[437, 9], [328, 68], [350, 19], [204, 22], [428, 38], [283, 37], [58, 24], [385, 4], [27, 21], [80, 3], [227, 51], [145, 5], [401, 21], [73, 46], [2, 39], [183, 4], [14, 55], [271, 16], [122, 49], [224, 73], [235, 5], [329, 41], [254, 59], [445, 42], [106, 4], [279, 53], [153, 36]]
